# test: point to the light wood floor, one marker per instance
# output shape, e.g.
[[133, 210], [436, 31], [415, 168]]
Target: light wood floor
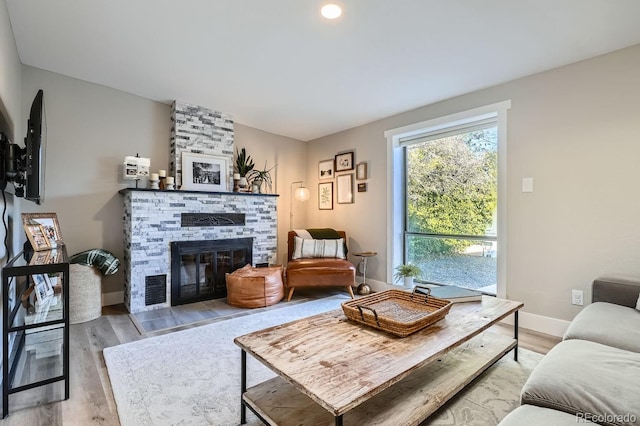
[[91, 399]]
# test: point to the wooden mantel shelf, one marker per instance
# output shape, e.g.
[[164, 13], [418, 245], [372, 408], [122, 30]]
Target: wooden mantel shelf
[[125, 190]]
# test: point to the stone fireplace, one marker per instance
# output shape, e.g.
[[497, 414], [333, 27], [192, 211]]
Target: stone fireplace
[[155, 220]]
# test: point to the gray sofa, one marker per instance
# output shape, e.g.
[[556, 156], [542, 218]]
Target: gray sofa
[[594, 373]]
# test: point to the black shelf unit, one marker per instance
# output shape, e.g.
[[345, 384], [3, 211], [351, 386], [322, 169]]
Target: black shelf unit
[[30, 329]]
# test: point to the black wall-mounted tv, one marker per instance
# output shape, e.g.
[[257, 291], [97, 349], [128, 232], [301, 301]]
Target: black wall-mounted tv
[[35, 144], [24, 167]]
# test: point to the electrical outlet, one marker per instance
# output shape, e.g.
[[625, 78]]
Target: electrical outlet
[[576, 297]]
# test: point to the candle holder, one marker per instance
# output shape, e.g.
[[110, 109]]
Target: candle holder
[[153, 184], [169, 183], [161, 183]]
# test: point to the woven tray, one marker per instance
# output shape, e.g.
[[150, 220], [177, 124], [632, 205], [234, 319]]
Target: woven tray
[[397, 312]]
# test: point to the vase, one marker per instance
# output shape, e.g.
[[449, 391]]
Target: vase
[[408, 282], [255, 186], [243, 182]]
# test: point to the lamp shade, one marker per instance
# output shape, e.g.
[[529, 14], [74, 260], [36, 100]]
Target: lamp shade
[[302, 194]]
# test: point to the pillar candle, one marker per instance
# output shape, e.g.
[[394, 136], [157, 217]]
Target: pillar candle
[[169, 180], [154, 176], [162, 173]]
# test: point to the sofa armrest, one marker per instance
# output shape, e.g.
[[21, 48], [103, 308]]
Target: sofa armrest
[[616, 290]]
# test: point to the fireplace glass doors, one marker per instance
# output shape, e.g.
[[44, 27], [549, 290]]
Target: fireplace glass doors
[[198, 268]]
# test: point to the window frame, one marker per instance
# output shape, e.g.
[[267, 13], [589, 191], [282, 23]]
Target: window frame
[[396, 195]]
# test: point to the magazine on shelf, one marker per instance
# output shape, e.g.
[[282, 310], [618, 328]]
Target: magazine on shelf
[[454, 294]]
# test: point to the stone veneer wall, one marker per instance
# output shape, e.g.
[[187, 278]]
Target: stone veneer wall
[[152, 222], [202, 131]]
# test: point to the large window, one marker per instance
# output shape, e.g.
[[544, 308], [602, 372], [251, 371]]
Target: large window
[[446, 198], [451, 187]]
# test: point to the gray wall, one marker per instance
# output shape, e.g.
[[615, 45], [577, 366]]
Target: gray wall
[[289, 156], [90, 130], [575, 130]]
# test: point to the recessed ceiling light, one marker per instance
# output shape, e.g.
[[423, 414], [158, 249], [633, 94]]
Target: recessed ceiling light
[[331, 11]]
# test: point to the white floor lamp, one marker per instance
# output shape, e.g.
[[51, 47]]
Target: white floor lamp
[[301, 194]]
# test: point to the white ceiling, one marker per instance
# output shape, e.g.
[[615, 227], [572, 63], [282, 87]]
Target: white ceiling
[[277, 66]]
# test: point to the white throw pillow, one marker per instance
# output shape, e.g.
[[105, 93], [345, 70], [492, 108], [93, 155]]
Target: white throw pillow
[[305, 248]]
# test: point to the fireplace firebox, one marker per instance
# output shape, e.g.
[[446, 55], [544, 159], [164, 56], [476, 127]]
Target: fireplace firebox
[[198, 268]]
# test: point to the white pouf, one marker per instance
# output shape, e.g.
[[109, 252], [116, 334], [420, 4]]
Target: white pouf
[[85, 293]]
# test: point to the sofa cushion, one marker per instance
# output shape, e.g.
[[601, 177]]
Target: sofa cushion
[[320, 272], [621, 291], [578, 376], [309, 248], [532, 415], [609, 324]]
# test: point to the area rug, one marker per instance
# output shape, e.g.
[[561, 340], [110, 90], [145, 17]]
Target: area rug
[[192, 377]]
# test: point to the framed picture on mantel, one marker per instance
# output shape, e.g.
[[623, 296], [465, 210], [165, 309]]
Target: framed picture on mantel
[[204, 172]]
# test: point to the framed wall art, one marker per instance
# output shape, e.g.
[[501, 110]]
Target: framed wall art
[[345, 188], [204, 172], [325, 196], [325, 169], [361, 171], [362, 187], [50, 229], [344, 161]]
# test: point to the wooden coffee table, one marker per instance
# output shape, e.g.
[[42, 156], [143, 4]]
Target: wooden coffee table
[[333, 370]]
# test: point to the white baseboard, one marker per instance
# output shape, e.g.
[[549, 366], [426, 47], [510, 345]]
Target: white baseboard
[[541, 324], [114, 298]]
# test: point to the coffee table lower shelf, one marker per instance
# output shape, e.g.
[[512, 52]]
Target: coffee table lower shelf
[[408, 402]]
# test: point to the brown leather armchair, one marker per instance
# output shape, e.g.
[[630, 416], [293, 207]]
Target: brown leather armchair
[[319, 271]]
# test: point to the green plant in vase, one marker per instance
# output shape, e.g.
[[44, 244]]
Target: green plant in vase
[[407, 272], [244, 165], [259, 178]]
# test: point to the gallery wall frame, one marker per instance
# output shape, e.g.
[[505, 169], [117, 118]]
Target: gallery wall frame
[[325, 169], [361, 171], [344, 188], [202, 172], [325, 196], [362, 187], [344, 161]]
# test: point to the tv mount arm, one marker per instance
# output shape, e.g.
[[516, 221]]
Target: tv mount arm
[[12, 165]]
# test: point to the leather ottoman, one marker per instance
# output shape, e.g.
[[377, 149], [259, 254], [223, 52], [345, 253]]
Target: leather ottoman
[[250, 287]]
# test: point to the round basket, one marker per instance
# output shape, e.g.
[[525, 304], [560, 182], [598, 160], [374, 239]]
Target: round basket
[[85, 293]]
